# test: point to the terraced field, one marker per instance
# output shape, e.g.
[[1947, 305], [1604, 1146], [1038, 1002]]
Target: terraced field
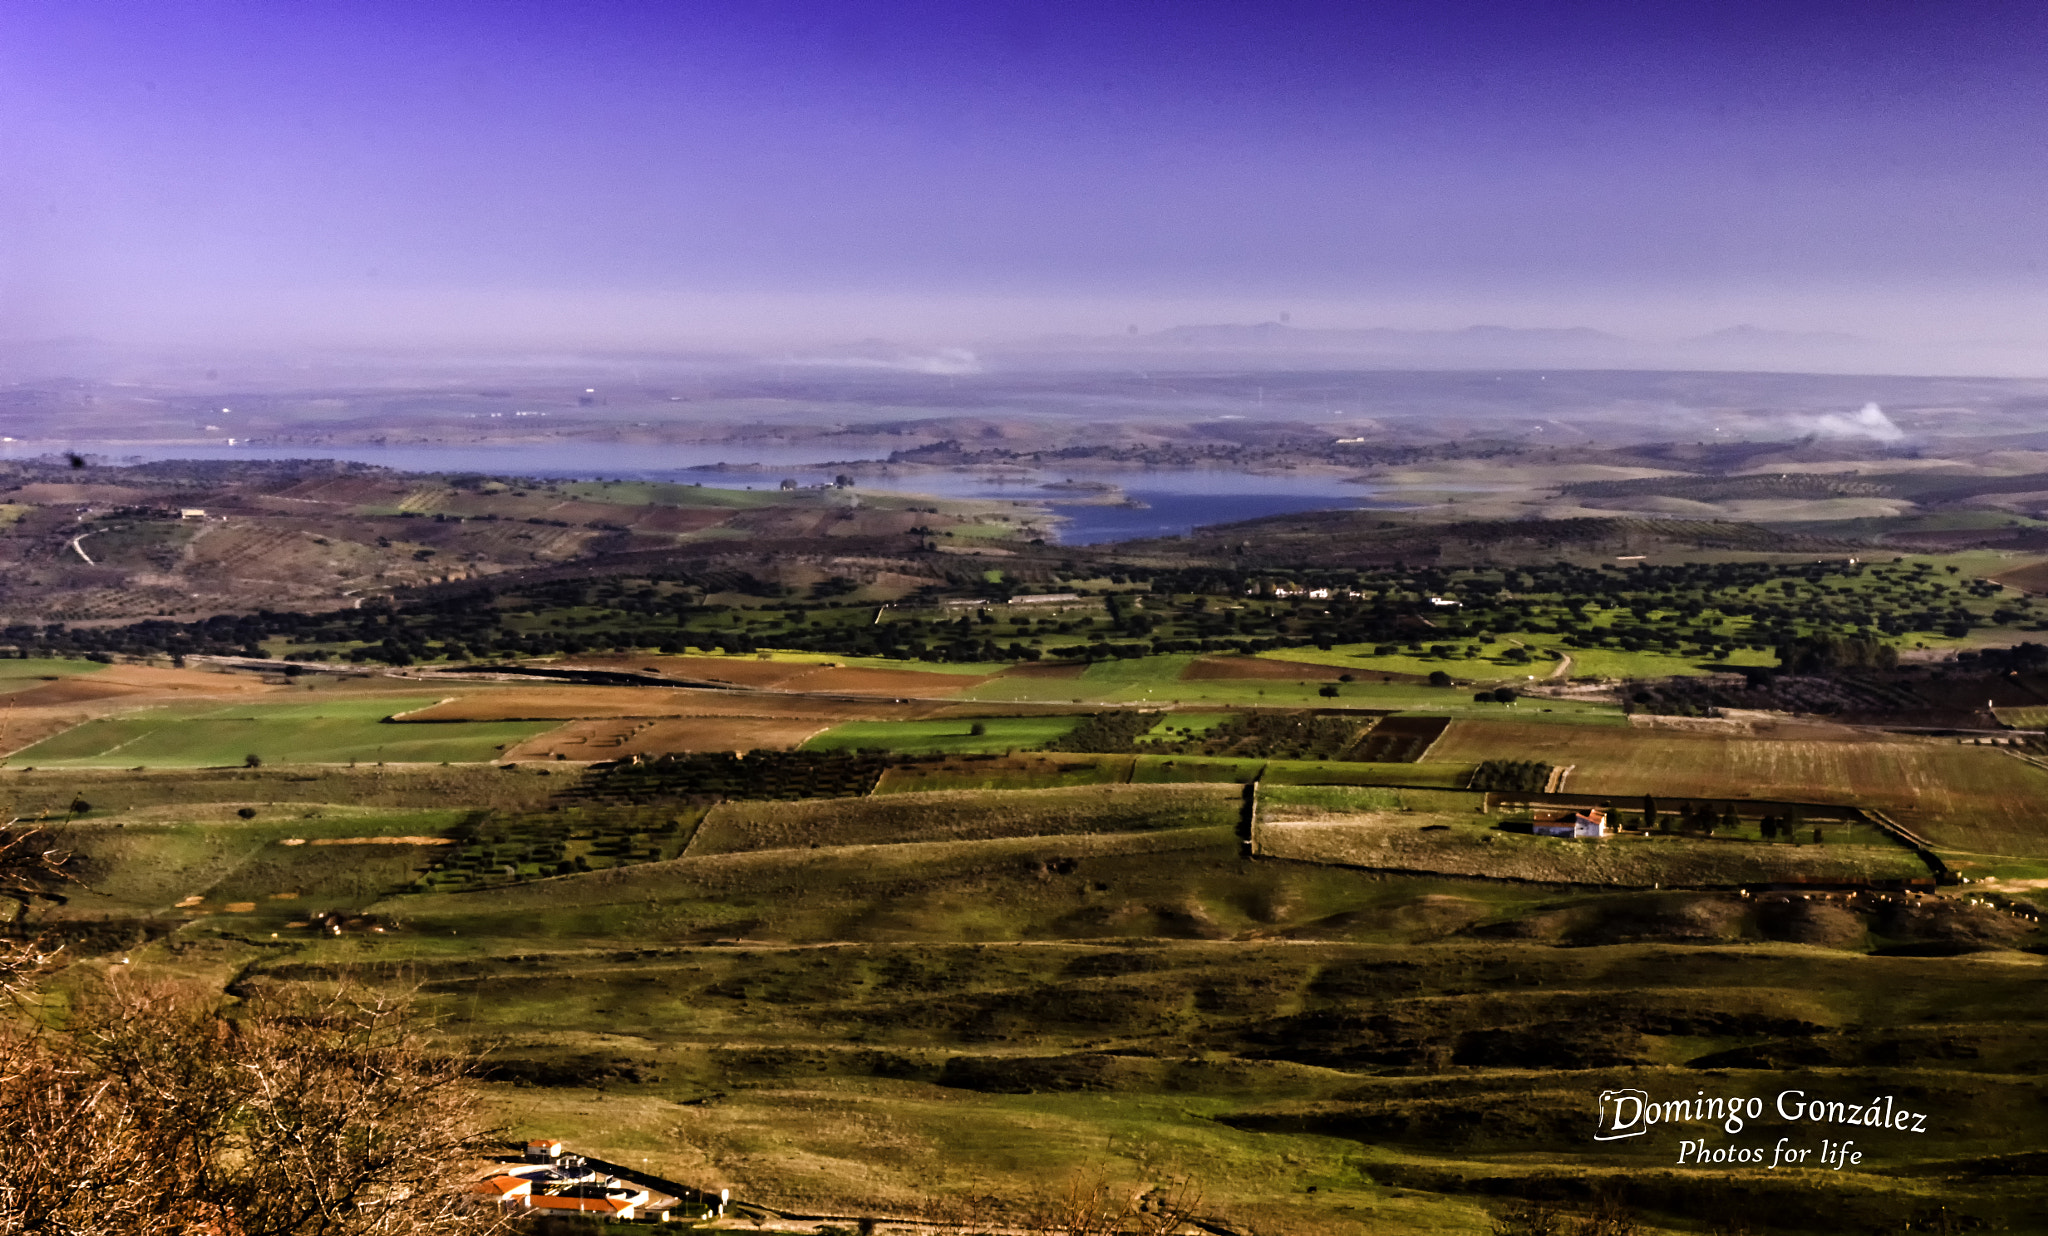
[[892, 1004]]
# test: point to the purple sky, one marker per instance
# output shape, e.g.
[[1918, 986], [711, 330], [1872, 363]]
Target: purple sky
[[643, 173]]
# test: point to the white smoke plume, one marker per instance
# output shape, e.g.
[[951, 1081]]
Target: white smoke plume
[[1871, 423]]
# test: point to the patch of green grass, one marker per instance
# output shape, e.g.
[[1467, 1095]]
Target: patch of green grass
[[1156, 670], [20, 675], [896, 819], [331, 730], [1188, 724], [1491, 667], [1466, 844], [984, 531], [1615, 663], [791, 656], [923, 737], [651, 493], [147, 865], [1444, 776]]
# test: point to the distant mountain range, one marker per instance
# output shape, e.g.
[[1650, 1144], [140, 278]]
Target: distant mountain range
[[1264, 344]]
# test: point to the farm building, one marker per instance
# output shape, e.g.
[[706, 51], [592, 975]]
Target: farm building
[[603, 1207], [511, 1190], [1580, 825]]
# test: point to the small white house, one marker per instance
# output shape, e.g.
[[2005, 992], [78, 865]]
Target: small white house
[[1579, 825]]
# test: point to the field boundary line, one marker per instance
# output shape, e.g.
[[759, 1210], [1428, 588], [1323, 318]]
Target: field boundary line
[[2035, 760], [401, 716], [1423, 754], [1912, 841], [698, 830]]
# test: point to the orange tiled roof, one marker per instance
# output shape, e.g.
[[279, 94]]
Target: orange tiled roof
[[593, 1205]]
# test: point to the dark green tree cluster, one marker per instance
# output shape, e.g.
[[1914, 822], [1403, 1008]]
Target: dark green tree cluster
[[1520, 776], [1106, 732]]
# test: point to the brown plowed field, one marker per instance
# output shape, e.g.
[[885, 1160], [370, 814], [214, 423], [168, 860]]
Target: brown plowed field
[[1254, 667], [854, 680], [2032, 577], [580, 703], [69, 691], [608, 740], [25, 727], [126, 680], [745, 673]]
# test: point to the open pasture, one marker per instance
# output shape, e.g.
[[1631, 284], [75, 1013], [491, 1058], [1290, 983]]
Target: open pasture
[[212, 795], [1492, 663], [21, 673], [1973, 798], [804, 672], [964, 815], [951, 734], [1014, 772], [282, 864], [1457, 845], [32, 683], [573, 703], [331, 730]]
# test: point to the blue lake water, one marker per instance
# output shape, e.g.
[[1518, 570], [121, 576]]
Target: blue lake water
[[1174, 500]]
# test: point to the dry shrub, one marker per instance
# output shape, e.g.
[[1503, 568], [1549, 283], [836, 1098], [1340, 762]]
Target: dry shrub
[[299, 1115], [1609, 1218]]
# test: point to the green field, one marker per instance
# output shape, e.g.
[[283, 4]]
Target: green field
[[19, 674], [965, 815], [868, 1005], [1409, 837], [1491, 667], [1156, 680], [336, 729], [925, 737]]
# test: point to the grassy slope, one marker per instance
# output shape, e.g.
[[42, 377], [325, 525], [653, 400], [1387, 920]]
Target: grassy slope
[[1393, 839], [1490, 667], [982, 992], [1971, 798], [334, 729], [19, 674]]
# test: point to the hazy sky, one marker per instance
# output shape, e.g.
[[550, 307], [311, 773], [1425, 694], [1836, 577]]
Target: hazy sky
[[590, 171]]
